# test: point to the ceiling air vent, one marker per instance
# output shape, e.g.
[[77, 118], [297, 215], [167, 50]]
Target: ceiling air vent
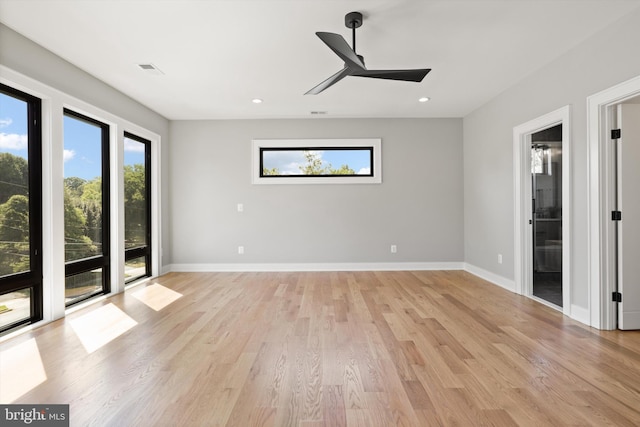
[[318, 113], [151, 69]]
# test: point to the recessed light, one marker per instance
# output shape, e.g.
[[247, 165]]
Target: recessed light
[[256, 101], [424, 99]]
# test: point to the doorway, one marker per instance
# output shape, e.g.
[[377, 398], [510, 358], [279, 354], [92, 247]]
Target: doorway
[[613, 242], [626, 212], [542, 209], [546, 214]]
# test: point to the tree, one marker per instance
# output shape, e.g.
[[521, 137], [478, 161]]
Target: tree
[[135, 205], [14, 176], [75, 186], [92, 191], [77, 244], [14, 235], [272, 171], [315, 166], [344, 170]]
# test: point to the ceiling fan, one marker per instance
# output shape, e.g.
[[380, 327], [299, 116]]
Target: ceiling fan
[[354, 63]]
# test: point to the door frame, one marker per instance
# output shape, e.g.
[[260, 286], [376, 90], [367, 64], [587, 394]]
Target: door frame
[[601, 236], [523, 240]]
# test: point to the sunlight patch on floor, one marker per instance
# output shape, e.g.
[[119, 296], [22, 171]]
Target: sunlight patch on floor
[[156, 296], [100, 326], [21, 370]]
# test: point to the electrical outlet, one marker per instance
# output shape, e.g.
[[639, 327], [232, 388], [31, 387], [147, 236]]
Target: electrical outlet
[[499, 258], [240, 250], [240, 207], [394, 249]]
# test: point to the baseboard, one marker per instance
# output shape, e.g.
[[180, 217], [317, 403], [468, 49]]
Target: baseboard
[[496, 279], [356, 266], [580, 314]]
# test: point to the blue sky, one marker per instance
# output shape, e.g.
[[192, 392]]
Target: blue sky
[[82, 155], [288, 162], [13, 126]]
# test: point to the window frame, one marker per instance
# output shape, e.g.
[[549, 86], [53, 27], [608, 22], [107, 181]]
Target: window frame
[[143, 251], [32, 279], [102, 261], [261, 145]]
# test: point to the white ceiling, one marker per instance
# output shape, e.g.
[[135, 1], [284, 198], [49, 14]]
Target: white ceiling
[[217, 56]]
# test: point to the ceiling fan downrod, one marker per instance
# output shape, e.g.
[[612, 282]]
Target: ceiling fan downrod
[[353, 20]]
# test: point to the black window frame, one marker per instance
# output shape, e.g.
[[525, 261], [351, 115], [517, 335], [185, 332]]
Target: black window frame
[[143, 251], [370, 149], [103, 261], [32, 279]]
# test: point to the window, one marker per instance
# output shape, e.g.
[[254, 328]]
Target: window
[[137, 207], [86, 207], [20, 209], [353, 161]]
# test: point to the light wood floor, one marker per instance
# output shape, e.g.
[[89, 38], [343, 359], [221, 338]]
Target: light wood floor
[[333, 349]]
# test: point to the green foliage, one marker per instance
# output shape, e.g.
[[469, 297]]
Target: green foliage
[[315, 166], [92, 191], [135, 205], [343, 170], [75, 185], [78, 244], [14, 235], [272, 171], [14, 176]]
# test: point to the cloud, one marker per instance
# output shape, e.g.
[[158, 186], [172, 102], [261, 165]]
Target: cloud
[[364, 171], [5, 122], [135, 146], [13, 141], [68, 155]]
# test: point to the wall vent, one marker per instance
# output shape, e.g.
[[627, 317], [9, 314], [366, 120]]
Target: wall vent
[[150, 68]]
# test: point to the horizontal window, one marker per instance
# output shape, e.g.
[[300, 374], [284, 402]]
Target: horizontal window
[[345, 161]]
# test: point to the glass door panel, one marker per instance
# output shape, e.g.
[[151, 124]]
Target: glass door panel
[[86, 202], [20, 209], [137, 207], [546, 179]]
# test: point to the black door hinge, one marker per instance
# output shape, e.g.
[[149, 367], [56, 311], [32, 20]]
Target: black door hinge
[[616, 216], [616, 133], [616, 297]]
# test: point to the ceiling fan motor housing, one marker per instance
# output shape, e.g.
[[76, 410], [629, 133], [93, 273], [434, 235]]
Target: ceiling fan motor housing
[[353, 20]]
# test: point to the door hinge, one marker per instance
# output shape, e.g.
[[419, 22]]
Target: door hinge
[[616, 133], [616, 216], [616, 297]]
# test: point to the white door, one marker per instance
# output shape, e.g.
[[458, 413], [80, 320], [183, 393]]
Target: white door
[[629, 226]]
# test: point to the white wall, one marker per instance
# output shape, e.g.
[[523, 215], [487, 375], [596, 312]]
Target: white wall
[[602, 61], [418, 206]]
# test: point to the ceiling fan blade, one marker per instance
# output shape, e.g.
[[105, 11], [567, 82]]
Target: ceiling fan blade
[[330, 81], [405, 75], [339, 45]]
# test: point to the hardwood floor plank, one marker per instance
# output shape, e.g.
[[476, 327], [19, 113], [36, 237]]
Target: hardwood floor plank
[[333, 408], [387, 348]]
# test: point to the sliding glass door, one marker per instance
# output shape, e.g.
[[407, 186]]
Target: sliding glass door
[[86, 207], [20, 209]]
